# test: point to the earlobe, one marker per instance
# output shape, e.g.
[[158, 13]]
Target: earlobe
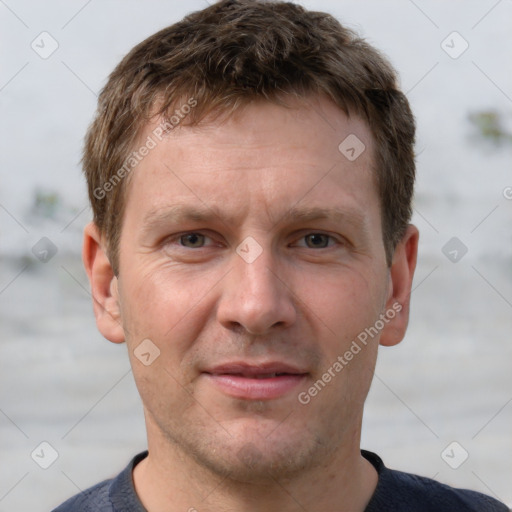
[[103, 285], [401, 276]]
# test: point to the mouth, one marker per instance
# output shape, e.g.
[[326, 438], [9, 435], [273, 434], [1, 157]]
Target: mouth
[[256, 382]]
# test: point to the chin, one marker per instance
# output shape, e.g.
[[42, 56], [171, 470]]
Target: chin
[[253, 444], [258, 460]]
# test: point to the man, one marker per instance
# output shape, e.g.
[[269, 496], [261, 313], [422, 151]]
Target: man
[[251, 172]]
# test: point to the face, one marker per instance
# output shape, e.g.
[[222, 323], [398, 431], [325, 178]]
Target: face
[[251, 258]]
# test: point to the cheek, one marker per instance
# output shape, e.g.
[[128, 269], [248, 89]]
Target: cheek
[[168, 311], [344, 304], [167, 306], [165, 399], [349, 306]]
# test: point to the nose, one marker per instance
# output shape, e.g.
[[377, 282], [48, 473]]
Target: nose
[[256, 297]]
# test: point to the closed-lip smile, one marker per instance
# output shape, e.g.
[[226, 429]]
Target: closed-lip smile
[[255, 381]]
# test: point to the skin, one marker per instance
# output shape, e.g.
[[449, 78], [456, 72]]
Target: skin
[[303, 300]]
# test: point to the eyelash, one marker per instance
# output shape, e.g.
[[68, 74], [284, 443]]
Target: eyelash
[[178, 238]]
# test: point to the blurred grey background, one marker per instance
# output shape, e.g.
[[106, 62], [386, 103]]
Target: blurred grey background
[[441, 402]]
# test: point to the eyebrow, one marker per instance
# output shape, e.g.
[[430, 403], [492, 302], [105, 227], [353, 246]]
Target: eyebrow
[[200, 213], [338, 215], [178, 213]]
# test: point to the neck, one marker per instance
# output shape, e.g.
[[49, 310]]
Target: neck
[[170, 480]]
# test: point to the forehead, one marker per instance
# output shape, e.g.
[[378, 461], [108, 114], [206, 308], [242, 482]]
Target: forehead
[[261, 153], [308, 123]]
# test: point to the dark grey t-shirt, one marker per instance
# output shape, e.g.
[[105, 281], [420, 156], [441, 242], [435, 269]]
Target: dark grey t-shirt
[[395, 492]]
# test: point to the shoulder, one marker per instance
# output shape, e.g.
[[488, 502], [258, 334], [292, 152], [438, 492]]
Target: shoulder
[[94, 499], [399, 491], [113, 495]]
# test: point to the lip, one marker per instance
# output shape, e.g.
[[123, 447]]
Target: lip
[[265, 381]]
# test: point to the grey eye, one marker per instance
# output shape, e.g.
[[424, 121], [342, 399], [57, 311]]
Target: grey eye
[[192, 240], [317, 240]]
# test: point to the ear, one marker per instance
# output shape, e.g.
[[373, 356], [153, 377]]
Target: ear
[[103, 285], [401, 275]]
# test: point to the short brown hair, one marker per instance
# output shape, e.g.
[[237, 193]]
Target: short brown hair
[[235, 52]]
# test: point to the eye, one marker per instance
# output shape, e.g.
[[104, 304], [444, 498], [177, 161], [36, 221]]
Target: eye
[[318, 240], [192, 240]]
